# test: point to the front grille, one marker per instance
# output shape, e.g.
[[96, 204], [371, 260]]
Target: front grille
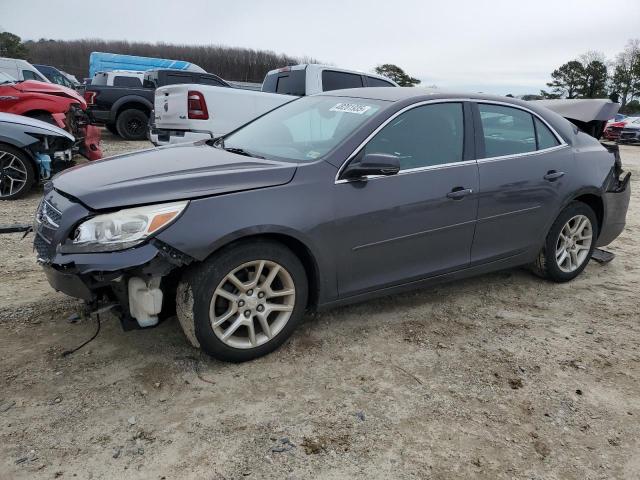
[[48, 215], [43, 248], [47, 222]]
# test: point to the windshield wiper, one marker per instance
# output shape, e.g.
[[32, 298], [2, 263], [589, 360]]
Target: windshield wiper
[[241, 151]]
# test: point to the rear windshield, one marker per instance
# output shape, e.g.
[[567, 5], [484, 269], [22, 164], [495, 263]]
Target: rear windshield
[[121, 81], [304, 130]]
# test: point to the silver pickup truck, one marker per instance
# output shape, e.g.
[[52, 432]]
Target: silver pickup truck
[[187, 113]]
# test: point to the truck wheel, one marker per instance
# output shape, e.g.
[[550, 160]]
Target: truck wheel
[[244, 301], [132, 124], [16, 173], [112, 128], [569, 244]]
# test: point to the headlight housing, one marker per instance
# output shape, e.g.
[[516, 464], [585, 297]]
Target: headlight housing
[[124, 228]]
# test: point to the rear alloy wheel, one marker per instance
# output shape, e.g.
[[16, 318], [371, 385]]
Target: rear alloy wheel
[[569, 244], [16, 173], [245, 301], [132, 124]]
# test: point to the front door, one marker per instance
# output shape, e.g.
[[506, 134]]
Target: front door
[[418, 223]]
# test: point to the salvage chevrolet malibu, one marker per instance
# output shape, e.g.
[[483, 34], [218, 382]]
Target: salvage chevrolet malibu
[[327, 200]]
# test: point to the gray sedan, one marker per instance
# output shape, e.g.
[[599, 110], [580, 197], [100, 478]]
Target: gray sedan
[[331, 199]]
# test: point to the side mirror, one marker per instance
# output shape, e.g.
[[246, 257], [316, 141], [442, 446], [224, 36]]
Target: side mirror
[[372, 164]]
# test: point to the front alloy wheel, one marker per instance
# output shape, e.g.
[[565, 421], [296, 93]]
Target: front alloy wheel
[[16, 173], [244, 301], [252, 304]]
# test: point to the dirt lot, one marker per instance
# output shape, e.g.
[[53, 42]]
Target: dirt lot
[[501, 376]]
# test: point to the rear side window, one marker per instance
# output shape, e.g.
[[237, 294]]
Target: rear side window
[[120, 81], [423, 136], [376, 82], [338, 80], [211, 81], [507, 130], [290, 82], [545, 138]]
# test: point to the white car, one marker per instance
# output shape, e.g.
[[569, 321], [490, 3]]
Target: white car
[[21, 70], [187, 113]]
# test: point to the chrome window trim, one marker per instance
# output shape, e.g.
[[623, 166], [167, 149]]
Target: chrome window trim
[[563, 144]]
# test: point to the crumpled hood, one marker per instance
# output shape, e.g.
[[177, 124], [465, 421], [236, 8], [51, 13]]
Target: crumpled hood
[[33, 86], [166, 174]]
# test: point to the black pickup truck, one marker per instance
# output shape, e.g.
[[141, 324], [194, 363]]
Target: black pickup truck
[[125, 110]]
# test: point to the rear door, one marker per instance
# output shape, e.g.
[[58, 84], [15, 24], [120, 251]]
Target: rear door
[[420, 222], [525, 170]]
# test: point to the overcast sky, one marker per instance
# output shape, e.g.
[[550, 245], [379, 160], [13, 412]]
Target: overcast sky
[[500, 46]]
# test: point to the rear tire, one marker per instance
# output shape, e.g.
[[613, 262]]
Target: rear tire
[[244, 301], [16, 173], [569, 244], [132, 124]]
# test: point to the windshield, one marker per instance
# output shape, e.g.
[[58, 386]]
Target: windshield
[[303, 130], [4, 78]]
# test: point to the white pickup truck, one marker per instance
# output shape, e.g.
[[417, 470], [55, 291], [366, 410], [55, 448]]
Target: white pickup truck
[[188, 113]]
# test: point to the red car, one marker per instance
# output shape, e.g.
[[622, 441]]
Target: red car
[[612, 130], [55, 104]]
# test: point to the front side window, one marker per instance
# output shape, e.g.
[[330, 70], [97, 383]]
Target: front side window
[[29, 75], [303, 130], [332, 80], [506, 130], [423, 136]]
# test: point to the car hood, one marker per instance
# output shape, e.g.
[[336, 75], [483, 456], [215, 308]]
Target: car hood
[[33, 86], [166, 174]]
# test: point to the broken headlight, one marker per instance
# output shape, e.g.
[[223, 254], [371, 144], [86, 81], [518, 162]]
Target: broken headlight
[[124, 228]]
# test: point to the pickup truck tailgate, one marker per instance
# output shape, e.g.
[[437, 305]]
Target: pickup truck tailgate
[[170, 107], [228, 108]]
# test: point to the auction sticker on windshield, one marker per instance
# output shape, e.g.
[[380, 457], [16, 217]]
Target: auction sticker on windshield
[[350, 108]]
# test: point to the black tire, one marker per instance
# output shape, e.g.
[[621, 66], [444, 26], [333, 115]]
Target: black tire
[[132, 124], [112, 128], [23, 162], [196, 288], [546, 265]]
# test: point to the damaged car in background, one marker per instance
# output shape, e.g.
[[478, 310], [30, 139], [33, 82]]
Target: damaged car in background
[[332, 199], [31, 151], [54, 104]]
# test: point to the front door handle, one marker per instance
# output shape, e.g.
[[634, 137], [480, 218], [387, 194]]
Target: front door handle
[[553, 175], [458, 193]]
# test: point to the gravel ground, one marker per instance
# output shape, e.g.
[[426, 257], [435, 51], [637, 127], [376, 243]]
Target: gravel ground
[[500, 376]]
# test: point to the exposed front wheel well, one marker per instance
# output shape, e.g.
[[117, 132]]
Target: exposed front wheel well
[[133, 105], [300, 250]]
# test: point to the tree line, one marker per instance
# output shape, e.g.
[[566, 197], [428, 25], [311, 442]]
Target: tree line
[[72, 56], [593, 76]]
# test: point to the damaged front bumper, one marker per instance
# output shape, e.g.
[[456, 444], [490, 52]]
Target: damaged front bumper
[[135, 277]]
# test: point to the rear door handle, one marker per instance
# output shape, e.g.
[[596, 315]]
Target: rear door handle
[[458, 193], [553, 175]]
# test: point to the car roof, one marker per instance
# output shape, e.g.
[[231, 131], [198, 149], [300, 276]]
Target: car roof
[[397, 94]]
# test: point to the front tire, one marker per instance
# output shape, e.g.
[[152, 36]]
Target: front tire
[[569, 244], [132, 124], [16, 173], [243, 302]]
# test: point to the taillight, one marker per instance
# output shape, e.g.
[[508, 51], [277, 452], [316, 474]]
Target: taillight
[[90, 97], [196, 106]]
